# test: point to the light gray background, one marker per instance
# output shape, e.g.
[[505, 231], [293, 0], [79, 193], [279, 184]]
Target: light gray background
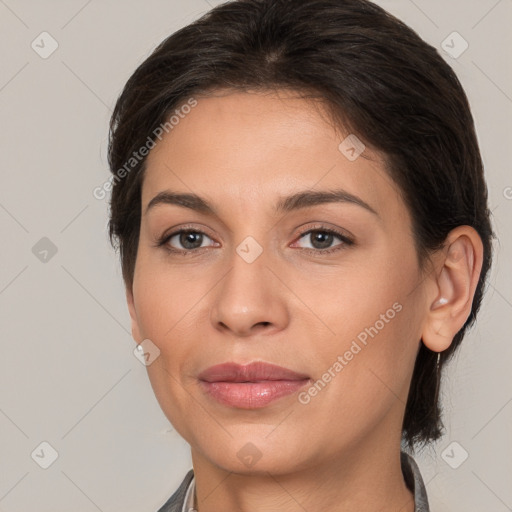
[[67, 372]]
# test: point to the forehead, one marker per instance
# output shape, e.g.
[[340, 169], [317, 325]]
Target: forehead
[[253, 147]]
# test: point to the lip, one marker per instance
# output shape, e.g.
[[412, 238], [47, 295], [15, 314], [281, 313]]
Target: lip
[[253, 372], [250, 386]]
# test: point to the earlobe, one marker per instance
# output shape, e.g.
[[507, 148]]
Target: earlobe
[[133, 315], [456, 278]]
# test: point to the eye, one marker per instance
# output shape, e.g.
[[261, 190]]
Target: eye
[[188, 241], [185, 241], [322, 239]]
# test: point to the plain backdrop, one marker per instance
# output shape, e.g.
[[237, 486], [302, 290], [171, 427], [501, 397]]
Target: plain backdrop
[[68, 375]]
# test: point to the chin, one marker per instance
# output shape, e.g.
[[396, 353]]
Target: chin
[[258, 454]]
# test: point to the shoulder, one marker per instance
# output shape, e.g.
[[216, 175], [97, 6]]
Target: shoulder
[[175, 502]]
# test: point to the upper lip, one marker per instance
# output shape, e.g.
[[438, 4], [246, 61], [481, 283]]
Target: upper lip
[[253, 372]]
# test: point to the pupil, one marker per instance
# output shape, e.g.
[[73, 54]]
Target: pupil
[[322, 240], [190, 238]]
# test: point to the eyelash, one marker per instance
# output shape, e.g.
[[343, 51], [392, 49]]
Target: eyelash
[[346, 241]]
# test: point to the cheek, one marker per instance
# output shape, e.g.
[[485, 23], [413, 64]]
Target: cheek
[[362, 375], [167, 300], [372, 315], [351, 299]]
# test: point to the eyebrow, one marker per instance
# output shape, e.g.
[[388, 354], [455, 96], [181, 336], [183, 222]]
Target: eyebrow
[[285, 204]]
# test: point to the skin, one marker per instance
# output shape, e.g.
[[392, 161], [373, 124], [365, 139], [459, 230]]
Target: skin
[[294, 306]]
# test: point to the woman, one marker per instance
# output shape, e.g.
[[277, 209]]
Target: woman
[[300, 207]]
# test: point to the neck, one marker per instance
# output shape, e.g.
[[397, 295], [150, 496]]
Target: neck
[[366, 477]]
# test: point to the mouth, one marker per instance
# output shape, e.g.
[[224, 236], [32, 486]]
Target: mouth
[[250, 386]]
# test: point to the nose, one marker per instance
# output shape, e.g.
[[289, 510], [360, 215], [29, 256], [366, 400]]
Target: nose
[[250, 299]]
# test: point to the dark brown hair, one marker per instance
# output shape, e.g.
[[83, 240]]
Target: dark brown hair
[[380, 80]]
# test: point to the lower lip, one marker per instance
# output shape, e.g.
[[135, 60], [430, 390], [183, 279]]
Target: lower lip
[[251, 395]]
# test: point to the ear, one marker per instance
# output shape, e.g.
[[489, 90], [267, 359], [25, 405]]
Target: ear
[[133, 315], [456, 276]]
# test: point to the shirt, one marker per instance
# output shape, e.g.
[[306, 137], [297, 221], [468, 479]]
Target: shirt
[[184, 499]]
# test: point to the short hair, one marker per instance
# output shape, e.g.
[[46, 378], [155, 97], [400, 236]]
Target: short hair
[[380, 81]]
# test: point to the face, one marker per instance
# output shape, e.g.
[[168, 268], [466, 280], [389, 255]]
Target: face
[[296, 254]]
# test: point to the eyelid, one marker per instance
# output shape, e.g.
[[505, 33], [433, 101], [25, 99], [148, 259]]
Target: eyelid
[[175, 230]]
